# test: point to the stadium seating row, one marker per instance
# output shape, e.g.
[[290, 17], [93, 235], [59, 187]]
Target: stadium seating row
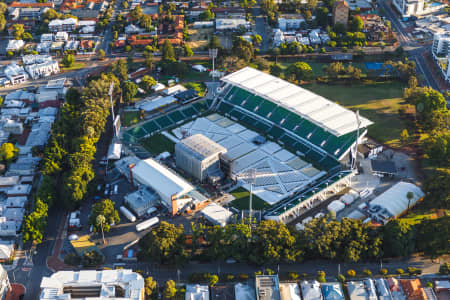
[[278, 115]]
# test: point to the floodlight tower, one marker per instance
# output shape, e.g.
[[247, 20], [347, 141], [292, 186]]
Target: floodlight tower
[[355, 151], [213, 55], [251, 179]]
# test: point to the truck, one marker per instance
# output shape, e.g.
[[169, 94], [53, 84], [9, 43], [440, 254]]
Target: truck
[[127, 214], [147, 224]]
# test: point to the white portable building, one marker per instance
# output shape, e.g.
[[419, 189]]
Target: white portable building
[[336, 206], [217, 214]]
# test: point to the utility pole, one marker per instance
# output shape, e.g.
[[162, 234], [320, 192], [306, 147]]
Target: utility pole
[[355, 151], [251, 179]]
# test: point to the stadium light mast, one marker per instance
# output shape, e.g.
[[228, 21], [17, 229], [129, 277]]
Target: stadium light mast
[[251, 179], [213, 55], [355, 151], [110, 93]]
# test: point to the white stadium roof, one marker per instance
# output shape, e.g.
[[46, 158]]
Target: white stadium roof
[[322, 112]]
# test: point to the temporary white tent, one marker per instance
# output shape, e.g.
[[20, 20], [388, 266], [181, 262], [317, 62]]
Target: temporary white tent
[[165, 182], [216, 214], [336, 206], [394, 200], [349, 197], [199, 68], [114, 151]]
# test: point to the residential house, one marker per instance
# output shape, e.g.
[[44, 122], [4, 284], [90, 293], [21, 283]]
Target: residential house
[[332, 291], [340, 12], [31, 59], [231, 24], [396, 289], [44, 47], [87, 45], [47, 99], [61, 36], [15, 73], [47, 37], [382, 289], [45, 69], [69, 25], [17, 13], [289, 22], [132, 29], [6, 250], [357, 291], [72, 46], [15, 45], [24, 4], [311, 290], [228, 12], [413, 289]]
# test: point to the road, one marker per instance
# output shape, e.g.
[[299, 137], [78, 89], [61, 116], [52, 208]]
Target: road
[[415, 51]]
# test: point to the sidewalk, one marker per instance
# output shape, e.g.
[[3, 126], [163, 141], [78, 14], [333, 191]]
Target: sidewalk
[[54, 262]]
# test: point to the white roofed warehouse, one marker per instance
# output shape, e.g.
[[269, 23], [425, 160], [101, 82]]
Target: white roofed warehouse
[[169, 186], [199, 156]]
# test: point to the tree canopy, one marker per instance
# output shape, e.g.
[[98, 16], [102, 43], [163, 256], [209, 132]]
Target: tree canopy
[[107, 209]]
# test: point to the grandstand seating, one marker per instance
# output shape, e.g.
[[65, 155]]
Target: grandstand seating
[[176, 116], [164, 122], [137, 132], [200, 106], [189, 112], [278, 115]]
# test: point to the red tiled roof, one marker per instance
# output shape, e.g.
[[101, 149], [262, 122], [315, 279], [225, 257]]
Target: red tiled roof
[[37, 4]]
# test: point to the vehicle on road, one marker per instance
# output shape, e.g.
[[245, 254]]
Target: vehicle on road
[[147, 224], [127, 214]]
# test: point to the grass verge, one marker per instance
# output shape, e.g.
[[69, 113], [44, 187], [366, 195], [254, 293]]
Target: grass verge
[[157, 144], [76, 66], [243, 198]]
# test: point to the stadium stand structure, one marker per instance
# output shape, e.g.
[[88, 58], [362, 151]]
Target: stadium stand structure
[[279, 108]]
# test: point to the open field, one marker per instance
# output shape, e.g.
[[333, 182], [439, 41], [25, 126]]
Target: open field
[[157, 144], [243, 198], [199, 37], [129, 118], [379, 102], [76, 66]]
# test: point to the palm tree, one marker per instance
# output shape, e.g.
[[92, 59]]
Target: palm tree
[[409, 196], [100, 221]]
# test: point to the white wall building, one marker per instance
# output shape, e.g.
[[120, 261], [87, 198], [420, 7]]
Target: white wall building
[[94, 285], [69, 25], [15, 45], [44, 69], [408, 8], [441, 44], [290, 22]]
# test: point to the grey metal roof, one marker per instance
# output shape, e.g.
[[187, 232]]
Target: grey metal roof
[[201, 147]]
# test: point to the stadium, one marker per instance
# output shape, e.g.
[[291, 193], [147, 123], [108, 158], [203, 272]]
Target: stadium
[[282, 139]]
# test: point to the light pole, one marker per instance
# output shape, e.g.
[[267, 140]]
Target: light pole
[[213, 55]]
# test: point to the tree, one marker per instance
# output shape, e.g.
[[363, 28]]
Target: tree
[[213, 279], [426, 100], [262, 63], [437, 146], [146, 22], [148, 59], [169, 289], [147, 83], [150, 287], [129, 90], [399, 238], [334, 69], [188, 51], [101, 54], [3, 8], [18, 31], [412, 82], [256, 39], [68, 60], [432, 236], [357, 24], [301, 71], [27, 37], [2, 22], [100, 221], [341, 278], [275, 70], [322, 16], [242, 49], [136, 13], [351, 273], [8, 152], [206, 15], [168, 53], [165, 244], [214, 43], [106, 209], [307, 14], [404, 136], [120, 69], [321, 276], [125, 4]]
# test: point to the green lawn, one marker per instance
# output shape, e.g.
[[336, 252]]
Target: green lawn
[[199, 87], [129, 118], [157, 144], [76, 66], [243, 198], [378, 102]]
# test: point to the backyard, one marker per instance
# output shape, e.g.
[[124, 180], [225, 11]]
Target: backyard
[[157, 144], [379, 102], [242, 200]]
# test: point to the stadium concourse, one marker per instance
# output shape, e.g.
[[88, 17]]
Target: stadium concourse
[[298, 167]]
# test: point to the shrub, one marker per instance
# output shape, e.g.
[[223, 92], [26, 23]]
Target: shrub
[[92, 258], [258, 273], [399, 271], [444, 269], [292, 275], [213, 279], [304, 275], [270, 271], [429, 285], [341, 278], [351, 273], [321, 276], [367, 272], [72, 259], [414, 271], [243, 276], [383, 271], [229, 277]]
